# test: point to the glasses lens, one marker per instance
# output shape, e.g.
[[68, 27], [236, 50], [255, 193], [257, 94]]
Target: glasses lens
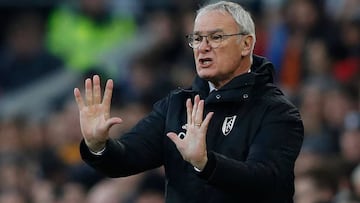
[[215, 40], [194, 40]]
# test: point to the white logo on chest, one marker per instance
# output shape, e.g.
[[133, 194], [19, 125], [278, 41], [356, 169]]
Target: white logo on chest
[[228, 125]]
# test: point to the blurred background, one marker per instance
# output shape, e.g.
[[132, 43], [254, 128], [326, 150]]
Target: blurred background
[[49, 47]]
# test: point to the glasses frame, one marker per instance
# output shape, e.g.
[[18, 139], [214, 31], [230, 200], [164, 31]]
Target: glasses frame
[[223, 36]]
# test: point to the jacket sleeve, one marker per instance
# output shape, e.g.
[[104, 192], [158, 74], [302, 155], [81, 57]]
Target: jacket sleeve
[[270, 162], [134, 152]]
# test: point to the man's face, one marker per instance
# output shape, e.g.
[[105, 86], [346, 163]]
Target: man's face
[[218, 65]]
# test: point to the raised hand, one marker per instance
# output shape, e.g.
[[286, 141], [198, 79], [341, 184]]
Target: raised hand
[[95, 121], [193, 146]]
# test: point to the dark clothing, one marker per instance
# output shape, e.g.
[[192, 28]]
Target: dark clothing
[[250, 157]]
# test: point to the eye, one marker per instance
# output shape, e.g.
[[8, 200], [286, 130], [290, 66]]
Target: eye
[[196, 38], [216, 37]]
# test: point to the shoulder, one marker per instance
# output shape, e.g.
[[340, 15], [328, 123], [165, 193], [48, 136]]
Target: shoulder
[[276, 106]]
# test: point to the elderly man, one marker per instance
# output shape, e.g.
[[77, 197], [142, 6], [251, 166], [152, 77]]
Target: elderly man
[[231, 137]]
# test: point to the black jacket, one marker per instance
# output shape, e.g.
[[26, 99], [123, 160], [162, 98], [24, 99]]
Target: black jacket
[[253, 139]]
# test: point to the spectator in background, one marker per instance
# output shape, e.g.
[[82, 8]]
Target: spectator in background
[[83, 35], [146, 82], [114, 190], [12, 196], [316, 134], [350, 138], [347, 64], [349, 141], [42, 191], [24, 58], [151, 189], [338, 102], [317, 63], [72, 193], [355, 181], [303, 19], [317, 185], [340, 10]]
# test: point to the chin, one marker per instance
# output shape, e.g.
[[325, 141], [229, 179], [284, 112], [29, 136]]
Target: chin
[[205, 74], [206, 77]]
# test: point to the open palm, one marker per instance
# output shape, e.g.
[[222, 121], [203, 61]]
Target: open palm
[[95, 121], [193, 146]]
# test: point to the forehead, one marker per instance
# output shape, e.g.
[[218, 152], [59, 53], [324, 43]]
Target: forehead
[[214, 20]]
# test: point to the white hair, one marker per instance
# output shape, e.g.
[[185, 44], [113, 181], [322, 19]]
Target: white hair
[[240, 15]]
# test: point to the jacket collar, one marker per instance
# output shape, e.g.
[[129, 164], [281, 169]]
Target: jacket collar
[[262, 72], [240, 87]]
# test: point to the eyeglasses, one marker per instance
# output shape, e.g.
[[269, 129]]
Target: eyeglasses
[[213, 39]]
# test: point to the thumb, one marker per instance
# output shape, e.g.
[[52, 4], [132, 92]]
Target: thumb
[[173, 137], [112, 121]]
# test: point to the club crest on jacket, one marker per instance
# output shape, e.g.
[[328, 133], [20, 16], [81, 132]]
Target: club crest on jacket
[[228, 124]]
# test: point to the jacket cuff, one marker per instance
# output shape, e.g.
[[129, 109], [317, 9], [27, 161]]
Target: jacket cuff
[[209, 167], [87, 154], [99, 153]]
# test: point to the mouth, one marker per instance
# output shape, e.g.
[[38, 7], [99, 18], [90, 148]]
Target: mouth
[[205, 61]]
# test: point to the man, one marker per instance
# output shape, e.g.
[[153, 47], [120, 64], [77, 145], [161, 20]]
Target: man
[[231, 137]]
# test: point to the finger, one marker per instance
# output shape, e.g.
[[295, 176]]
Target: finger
[[196, 103], [206, 121], [88, 92], [97, 89], [188, 110], [199, 112], [173, 137], [78, 98], [107, 97]]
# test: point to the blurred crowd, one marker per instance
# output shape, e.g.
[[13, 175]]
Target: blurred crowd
[[47, 49]]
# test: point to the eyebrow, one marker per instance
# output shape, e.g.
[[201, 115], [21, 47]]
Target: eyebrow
[[209, 32]]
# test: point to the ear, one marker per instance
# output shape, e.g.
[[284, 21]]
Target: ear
[[247, 45]]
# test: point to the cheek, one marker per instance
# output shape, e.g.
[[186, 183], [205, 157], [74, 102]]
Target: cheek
[[228, 54], [196, 56], [225, 60]]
